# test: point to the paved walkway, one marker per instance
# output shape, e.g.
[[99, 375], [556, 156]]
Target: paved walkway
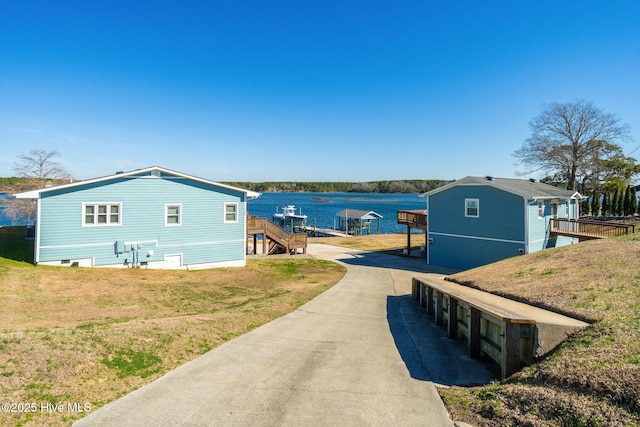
[[361, 354]]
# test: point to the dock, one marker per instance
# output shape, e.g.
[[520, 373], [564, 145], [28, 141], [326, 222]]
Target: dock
[[324, 232]]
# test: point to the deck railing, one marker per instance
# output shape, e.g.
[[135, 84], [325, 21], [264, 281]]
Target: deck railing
[[416, 218], [257, 225], [589, 229]]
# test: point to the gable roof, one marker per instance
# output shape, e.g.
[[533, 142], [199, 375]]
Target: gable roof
[[358, 214], [149, 171], [526, 188]]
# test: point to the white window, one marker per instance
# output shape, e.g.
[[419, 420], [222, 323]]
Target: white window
[[540, 209], [230, 212], [472, 208], [95, 214], [172, 215]]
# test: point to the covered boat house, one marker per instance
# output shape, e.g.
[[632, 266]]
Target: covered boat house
[[358, 222]]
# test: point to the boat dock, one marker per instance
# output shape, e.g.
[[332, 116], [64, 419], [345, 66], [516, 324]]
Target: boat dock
[[323, 232]]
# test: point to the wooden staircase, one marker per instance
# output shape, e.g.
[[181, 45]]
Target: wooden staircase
[[275, 239]]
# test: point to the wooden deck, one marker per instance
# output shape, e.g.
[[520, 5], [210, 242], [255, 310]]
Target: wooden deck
[[584, 229], [278, 239], [414, 219]]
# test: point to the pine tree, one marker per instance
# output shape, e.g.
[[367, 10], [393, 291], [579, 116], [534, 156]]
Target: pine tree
[[584, 206], [614, 203], [595, 204], [620, 208], [606, 204], [626, 207]]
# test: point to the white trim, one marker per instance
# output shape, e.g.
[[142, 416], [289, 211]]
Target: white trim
[[200, 243], [474, 180], [462, 236], [526, 225], [428, 247], [166, 214], [82, 262], [466, 207], [219, 264], [225, 220], [37, 239], [155, 170], [93, 245]]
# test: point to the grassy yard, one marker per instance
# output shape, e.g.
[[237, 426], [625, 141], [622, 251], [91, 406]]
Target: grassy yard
[[88, 336], [593, 379], [91, 335]]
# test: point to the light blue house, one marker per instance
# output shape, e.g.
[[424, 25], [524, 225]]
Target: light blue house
[[150, 218], [479, 220]]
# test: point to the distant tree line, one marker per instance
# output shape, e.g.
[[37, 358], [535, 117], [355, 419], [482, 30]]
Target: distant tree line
[[397, 186], [617, 203], [16, 184]]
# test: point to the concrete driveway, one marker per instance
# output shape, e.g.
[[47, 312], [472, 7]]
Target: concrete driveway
[[360, 354]]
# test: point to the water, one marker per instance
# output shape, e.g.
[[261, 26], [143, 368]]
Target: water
[[323, 207], [4, 220]]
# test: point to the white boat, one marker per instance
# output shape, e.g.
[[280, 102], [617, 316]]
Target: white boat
[[288, 216]]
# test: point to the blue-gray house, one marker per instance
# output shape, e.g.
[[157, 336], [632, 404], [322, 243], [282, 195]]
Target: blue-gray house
[[152, 217], [479, 220]]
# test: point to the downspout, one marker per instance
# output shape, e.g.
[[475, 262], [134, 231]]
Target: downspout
[[244, 230]]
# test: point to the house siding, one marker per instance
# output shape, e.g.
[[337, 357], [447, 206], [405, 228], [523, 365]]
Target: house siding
[[203, 236], [539, 237], [464, 253], [463, 242]]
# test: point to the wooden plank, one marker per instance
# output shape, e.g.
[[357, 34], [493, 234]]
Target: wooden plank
[[438, 309], [453, 318], [473, 338], [494, 310], [510, 349]]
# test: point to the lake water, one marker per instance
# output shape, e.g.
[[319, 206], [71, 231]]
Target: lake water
[[4, 221], [321, 207], [324, 207]]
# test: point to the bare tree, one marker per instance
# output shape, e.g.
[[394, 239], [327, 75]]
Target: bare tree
[[20, 211], [570, 139], [40, 164]]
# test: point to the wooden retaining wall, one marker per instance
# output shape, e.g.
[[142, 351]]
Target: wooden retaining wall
[[489, 330]]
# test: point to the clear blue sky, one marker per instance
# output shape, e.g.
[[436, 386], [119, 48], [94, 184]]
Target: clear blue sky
[[305, 90]]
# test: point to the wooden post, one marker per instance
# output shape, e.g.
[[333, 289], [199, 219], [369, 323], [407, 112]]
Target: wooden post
[[408, 240], [429, 300], [474, 333], [423, 294], [510, 348], [439, 312], [452, 325], [415, 288]]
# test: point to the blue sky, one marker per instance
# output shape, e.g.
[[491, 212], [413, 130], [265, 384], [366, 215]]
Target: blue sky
[[305, 90]]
